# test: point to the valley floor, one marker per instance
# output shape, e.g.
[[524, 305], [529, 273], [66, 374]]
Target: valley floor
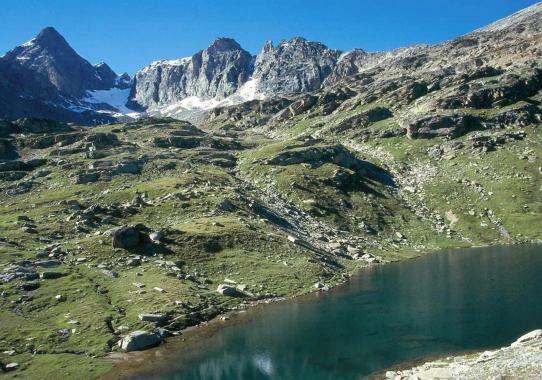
[[134, 227]]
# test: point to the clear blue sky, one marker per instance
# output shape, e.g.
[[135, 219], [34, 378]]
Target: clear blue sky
[[130, 34]]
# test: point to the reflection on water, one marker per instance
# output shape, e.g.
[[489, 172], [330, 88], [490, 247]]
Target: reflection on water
[[447, 302]]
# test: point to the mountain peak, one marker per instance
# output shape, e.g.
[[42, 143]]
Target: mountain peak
[[297, 40], [50, 35], [224, 44]]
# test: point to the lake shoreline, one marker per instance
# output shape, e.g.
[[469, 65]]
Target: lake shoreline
[[131, 364]]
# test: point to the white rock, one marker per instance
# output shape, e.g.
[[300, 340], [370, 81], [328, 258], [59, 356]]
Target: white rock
[[139, 340], [11, 366]]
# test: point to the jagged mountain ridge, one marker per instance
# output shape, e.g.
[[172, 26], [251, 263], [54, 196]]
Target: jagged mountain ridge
[[294, 66], [214, 72], [45, 77]]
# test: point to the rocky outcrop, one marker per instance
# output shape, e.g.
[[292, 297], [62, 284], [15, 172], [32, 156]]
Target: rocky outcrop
[[439, 126], [128, 236], [507, 89], [363, 119]]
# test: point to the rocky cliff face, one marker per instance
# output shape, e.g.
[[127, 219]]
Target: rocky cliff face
[[294, 66], [215, 72]]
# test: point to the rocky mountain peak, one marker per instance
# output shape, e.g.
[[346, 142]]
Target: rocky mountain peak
[[268, 46], [49, 36], [222, 44], [47, 71], [105, 72], [295, 65], [49, 55], [297, 40], [215, 72]]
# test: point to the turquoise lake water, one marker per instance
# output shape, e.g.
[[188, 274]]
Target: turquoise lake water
[[448, 302]]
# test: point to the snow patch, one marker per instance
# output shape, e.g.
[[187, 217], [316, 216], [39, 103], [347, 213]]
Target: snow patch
[[247, 92], [29, 43], [115, 97]]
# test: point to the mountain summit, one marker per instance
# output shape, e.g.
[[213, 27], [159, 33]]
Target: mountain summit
[[215, 72], [48, 71]]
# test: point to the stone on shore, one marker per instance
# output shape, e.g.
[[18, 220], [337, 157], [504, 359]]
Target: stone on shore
[[139, 341], [230, 291]]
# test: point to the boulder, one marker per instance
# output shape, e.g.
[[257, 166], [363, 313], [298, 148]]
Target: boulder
[[83, 178], [156, 236], [12, 176], [155, 318], [47, 263], [29, 286], [51, 275], [110, 273], [139, 340], [11, 367], [229, 291], [127, 236]]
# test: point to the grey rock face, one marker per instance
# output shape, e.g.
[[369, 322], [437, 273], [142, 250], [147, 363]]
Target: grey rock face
[[216, 71], [294, 66], [349, 63]]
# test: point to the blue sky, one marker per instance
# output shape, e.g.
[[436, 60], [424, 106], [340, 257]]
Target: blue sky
[[130, 34]]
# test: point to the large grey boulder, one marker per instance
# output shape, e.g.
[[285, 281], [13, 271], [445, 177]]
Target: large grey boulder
[[232, 291], [533, 335], [128, 236], [139, 341]]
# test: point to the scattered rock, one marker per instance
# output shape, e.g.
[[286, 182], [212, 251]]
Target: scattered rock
[[139, 340], [155, 318], [230, 291], [128, 236], [51, 275], [157, 236], [110, 273], [11, 367]]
